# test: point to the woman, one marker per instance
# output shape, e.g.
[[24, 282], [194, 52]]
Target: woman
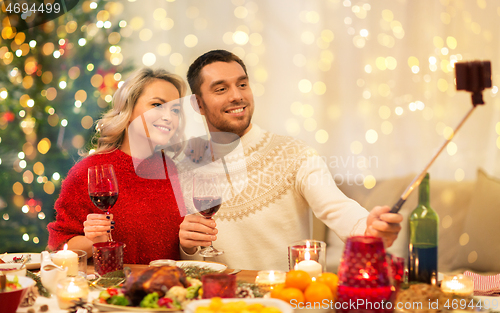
[[146, 215]]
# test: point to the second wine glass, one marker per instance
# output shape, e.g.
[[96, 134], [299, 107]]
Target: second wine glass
[[103, 188], [207, 200]]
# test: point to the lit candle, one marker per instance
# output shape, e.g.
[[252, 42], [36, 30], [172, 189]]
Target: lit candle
[[310, 266], [68, 259], [270, 279], [70, 290], [459, 285]]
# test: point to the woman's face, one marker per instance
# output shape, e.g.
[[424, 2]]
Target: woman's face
[[158, 107]]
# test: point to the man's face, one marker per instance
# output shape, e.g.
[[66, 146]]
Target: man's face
[[226, 98]]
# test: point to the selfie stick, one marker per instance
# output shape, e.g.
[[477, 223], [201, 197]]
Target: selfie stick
[[418, 179], [471, 76]]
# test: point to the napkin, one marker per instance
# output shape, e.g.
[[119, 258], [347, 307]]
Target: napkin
[[485, 285]]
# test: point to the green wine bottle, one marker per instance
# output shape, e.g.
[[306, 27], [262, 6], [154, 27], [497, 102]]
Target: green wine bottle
[[423, 247]]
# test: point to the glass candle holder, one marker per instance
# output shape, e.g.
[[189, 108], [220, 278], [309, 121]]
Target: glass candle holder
[[218, 285], [397, 267], [268, 280], [364, 273], [308, 255], [108, 257], [458, 285], [82, 262], [66, 259], [71, 289]]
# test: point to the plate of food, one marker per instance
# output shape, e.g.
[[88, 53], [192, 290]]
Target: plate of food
[[157, 288], [255, 305], [104, 307], [209, 266], [33, 263]]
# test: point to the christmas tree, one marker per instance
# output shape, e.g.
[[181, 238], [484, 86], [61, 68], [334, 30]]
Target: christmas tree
[[56, 80]]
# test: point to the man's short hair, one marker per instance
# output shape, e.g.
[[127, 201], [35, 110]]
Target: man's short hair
[[193, 75]]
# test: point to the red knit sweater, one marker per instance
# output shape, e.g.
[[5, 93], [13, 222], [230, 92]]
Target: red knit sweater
[[146, 213]]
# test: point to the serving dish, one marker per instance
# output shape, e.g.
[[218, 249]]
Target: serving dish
[[219, 267], [268, 302], [33, 264], [104, 307]]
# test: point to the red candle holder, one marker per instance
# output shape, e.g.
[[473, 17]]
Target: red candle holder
[[364, 277], [108, 257], [218, 285]]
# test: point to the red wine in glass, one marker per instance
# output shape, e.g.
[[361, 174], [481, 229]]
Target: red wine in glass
[[103, 188], [207, 206], [104, 201], [207, 200]]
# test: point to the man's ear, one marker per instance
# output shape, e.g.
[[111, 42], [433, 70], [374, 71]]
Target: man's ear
[[196, 103]]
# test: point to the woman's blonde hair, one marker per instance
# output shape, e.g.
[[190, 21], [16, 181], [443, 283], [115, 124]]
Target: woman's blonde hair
[[112, 126]]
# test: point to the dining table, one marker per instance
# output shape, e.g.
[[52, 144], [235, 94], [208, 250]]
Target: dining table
[[244, 276]]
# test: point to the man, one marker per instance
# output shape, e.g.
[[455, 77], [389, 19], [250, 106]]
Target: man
[[285, 178]]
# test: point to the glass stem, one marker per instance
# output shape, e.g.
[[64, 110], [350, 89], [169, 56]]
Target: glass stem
[[110, 239]]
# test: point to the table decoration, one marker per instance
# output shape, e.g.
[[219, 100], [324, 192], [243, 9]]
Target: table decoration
[[268, 280], [309, 256], [218, 285], [108, 256], [70, 290], [458, 285], [66, 259], [364, 274]]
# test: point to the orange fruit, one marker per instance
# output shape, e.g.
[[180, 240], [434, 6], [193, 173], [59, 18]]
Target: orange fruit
[[276, 292], [289, 294], [298, 279], [317, 292], [329, 279]]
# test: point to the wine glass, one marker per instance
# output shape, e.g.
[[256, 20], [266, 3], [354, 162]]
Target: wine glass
[[207, 200], [103, 188]]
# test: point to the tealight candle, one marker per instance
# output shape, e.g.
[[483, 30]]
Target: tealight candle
[[67, 258], [459, 285], [71, 289], [270, 279], [312, 267]]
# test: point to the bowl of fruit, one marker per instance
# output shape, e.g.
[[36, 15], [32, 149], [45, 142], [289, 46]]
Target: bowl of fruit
[[15, 289]]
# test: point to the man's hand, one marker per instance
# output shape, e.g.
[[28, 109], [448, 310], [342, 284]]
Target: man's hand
[[196, 231], [97, 227], [381, 223]]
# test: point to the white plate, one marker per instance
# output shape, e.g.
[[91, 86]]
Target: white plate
[[33, 264], [219, 267], [268, 302]]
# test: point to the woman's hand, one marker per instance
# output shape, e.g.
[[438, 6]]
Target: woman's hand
[[195, 149], [97, 227], [196, 231]]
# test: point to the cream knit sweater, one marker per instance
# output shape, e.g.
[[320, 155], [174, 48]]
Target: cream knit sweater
[[268, 208]]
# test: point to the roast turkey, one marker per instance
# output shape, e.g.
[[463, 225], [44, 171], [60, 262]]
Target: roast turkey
[[154, 279]]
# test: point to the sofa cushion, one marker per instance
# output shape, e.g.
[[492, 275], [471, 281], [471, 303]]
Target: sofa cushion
[[478, 244]]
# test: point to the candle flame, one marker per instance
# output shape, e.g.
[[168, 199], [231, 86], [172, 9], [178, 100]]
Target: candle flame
[[271, 276], [65, 246], [73, 288], [307, 255]]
